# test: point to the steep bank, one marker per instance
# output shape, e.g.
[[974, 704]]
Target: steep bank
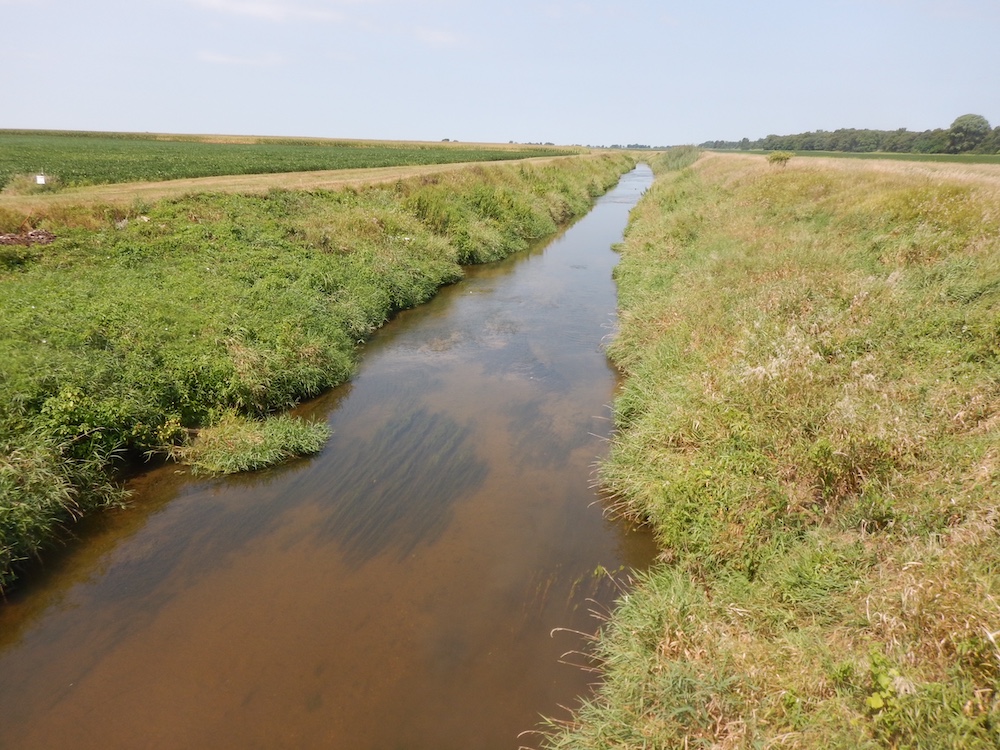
[[810, 425], [136, 326]]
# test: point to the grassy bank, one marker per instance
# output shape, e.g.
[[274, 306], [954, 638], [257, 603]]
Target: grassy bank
[[137, 327], [810, 424]]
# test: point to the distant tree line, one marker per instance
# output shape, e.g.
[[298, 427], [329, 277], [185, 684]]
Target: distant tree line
[[969, 134]]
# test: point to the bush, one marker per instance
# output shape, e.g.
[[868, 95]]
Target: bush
[[779, 158]]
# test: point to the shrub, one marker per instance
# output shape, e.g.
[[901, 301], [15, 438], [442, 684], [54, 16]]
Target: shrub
[[779, 158]]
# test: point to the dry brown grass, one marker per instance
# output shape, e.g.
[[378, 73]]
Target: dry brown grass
[[714, 163]]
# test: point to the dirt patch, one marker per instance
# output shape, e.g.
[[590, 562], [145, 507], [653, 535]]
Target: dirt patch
[[34, 237]]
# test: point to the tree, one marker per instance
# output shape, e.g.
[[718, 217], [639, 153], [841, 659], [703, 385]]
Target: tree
[[931, 142], [967, 132], [991, 144]]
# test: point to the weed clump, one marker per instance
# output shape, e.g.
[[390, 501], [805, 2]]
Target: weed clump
[[42, 486]]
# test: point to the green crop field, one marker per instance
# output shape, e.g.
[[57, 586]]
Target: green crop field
[[77, 159]]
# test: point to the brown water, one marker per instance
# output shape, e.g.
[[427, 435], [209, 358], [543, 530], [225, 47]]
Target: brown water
[[399, 590]]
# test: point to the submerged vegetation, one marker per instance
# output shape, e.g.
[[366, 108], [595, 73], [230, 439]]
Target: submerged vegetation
[[809, 424], [137, 326]]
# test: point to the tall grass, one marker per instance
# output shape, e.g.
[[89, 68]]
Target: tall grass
[[42, 485], [138, 326], [809, 423]]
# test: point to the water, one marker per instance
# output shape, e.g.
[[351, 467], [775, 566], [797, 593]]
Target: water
[[415, 585]]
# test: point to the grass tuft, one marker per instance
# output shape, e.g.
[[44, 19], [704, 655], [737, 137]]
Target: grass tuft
[[235, 443], [43, 488]]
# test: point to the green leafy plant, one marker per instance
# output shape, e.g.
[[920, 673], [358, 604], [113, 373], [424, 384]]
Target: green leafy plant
[[886, 685]]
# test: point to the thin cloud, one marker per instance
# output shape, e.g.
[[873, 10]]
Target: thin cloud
[[949, 9], [219, 58], [436, 37], [269, 10]]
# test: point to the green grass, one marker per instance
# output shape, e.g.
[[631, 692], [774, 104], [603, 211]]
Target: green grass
[[809, 423], [235, 443], [137, 326], [77, 159]]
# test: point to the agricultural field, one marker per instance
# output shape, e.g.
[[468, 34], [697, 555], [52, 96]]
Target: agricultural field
[[884, 155], [76, 159], [809, 422], [183, 327]]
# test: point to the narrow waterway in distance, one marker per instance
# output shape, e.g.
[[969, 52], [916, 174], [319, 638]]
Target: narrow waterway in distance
[[413, 586]]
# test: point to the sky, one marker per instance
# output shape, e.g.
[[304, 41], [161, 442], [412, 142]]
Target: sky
[[560, 71]]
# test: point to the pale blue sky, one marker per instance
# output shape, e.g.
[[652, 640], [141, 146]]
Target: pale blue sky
[[629, 71]]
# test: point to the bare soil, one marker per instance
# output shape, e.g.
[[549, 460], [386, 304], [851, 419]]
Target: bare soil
[[34, 237]]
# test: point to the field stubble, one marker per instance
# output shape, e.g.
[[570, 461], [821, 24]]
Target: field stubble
[[126, 194]]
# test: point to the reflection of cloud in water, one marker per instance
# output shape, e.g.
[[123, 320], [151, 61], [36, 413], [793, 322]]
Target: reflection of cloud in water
[[398, 489], [518, 361], [544, 439]]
